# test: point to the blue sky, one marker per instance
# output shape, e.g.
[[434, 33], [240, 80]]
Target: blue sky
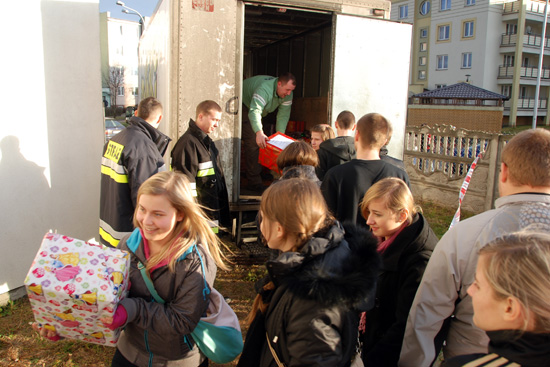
[[145, 7]]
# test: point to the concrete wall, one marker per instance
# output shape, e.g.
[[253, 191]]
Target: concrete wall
[[466, 117], [52, 129]]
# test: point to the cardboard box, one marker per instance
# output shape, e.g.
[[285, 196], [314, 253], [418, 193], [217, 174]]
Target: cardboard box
[[72, 283], [275, 145]]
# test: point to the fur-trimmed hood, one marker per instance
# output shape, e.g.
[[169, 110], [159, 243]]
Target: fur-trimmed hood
[[338, 265]]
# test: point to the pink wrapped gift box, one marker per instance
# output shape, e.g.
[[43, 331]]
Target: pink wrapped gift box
[[72, 283]]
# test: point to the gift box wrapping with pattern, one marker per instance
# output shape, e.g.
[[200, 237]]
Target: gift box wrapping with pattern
[[72, 283]]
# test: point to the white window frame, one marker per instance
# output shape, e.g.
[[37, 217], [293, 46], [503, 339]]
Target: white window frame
[[403, 11], [422, 60], [468, 28], [120, 91], [422, 74], [444, 32], [442, 62], [470, 2], [506, 90], [439, 86], [445, 5], [423, 46], [425, 7], [467, 60], [511, 28]]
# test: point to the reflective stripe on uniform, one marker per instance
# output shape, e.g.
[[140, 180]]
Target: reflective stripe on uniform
[[109, 234], [205, 169], [214, 225], [113, 170], [193, 186], [287, 103]]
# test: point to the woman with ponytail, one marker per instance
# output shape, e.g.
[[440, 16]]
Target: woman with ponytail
[[307, 309]]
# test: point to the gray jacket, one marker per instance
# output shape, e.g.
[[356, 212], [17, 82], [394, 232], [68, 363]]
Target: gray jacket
[[161, 329], [451, 271]]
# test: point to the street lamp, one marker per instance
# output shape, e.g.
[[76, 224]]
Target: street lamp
[[127, 10]]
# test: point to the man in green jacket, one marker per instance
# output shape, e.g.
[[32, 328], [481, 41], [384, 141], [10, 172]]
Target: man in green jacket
[[263, 94]]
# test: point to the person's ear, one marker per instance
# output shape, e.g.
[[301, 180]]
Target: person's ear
[[135, 112], [503, 177], [356, 136], [179, 216], [403, 215], [513, 312], [280, 231], [336, 124], [353, 127]]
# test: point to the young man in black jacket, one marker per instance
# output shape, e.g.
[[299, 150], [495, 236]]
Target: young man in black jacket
[[196, 155], [129, 158]]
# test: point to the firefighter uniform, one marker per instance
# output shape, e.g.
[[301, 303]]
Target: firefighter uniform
[[129, 158], [196, 155]]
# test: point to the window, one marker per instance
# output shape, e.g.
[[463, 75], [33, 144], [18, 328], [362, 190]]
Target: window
[[506, 90], [403, 11], [424, 33], [120, 91], [424, 7], [135, 91], [466, 60], [439, 86], [422, 74], [442, 62], [444, 32], [468, 28], [523, 92], [509, 60], [445, 5], [525, 62], [511, 28], [470, 2], [422, 60], [423, 46]]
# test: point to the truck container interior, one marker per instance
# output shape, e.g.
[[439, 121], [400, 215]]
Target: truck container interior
[[281, 39]]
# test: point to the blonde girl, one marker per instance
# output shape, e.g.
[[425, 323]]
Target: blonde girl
[[405, 242], [320, 133], [306, 310], [511, 298]]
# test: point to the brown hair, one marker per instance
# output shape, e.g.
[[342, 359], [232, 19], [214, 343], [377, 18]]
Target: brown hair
[[518, 265], [148, 107], [396, 194], [206, 106], [298, 153], [299, 207], [373, 130], [346, 120], [327, 132], [527, 156], [284, 78], [194, 226]]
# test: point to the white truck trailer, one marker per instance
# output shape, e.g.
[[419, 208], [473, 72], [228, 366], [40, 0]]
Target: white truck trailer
[[345, 54]]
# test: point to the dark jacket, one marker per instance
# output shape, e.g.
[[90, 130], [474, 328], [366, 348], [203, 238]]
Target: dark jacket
[[333, 152], [404, 262], [129, 158], [163, 327], [385, 157], [196, 155], [510, 348], [345, 185], [312, 316]]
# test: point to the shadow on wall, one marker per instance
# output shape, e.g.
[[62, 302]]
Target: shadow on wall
[[24, 198]]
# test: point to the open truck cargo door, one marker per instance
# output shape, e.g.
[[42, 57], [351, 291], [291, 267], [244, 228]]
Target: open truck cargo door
[[371, 71]]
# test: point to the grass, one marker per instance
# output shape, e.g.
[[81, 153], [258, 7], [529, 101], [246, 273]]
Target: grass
[[21, 346]]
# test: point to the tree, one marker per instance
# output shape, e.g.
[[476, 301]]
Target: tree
[[115, 80]]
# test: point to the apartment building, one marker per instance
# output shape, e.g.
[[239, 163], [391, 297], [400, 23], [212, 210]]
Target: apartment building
[[119, 60], [491, 44]]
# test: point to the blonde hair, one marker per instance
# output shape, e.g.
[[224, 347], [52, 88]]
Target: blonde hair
[[298, 153], [326, 131], [374, 130], [518, 265], [396, 194], [193, 228], [527, 156]]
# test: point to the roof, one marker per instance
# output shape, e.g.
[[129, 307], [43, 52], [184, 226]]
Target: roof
[[461, 91]]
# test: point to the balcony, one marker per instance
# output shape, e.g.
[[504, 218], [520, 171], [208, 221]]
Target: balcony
[[531, 7], [527, 104], [505, 72], [532, 40]]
